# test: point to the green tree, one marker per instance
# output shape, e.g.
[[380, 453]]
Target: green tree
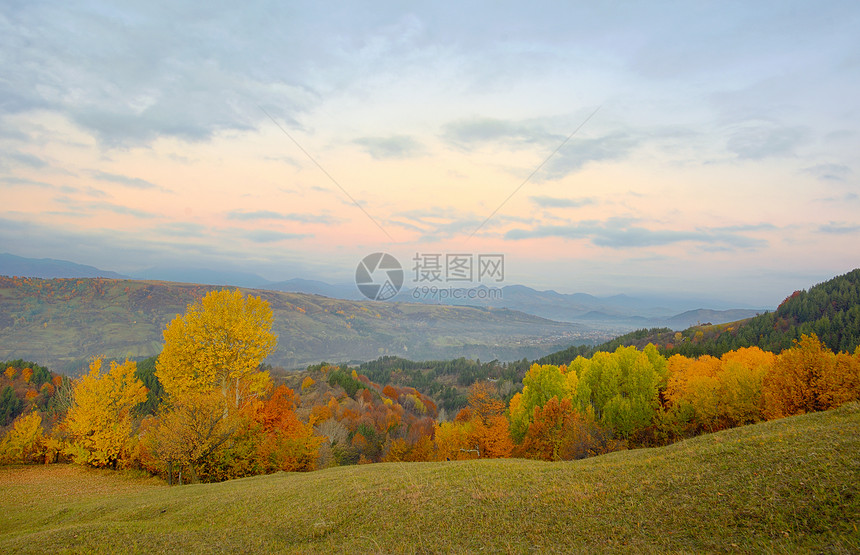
[[10, 406], [541, 383]]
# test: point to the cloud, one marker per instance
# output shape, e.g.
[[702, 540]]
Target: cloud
[[119, 209], [578, 152], [839, 228], [88, 207], [479, 131], [829, 172], [270, 236], [761, 141], [744, 228], [619, 233], [271, 215], [436, 224], [395, 146], [24, 182], [131, 74], [181, 229], [570, 156], [439, 223], [553, 202], [134, 182], [93, 192], [27, 160]]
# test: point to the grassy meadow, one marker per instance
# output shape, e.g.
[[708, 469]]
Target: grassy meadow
[[785, 486]]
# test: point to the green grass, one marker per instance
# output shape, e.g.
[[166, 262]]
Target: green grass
[[785, 486]]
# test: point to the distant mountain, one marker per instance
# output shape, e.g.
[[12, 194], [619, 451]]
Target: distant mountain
[[203, 276], [60, 323], [617, 313], [830, 310], [47, 268], [705, 316], [314, 287]]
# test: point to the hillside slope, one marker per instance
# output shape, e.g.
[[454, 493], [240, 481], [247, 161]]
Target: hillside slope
[[784, 486], [62, 322], [830, 310]]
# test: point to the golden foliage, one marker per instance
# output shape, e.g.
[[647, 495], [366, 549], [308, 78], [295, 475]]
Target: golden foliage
[[218, 344], [809, 377], [720, 392], [99, 420], [25, 441]]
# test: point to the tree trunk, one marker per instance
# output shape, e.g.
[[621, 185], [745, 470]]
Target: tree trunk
[[194, 478]]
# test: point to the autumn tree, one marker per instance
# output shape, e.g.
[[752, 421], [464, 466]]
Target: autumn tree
[[558, 431], [712, 394], [484, 423], [484, 401], [191, 429], [287, 443], [218, 344], [452, 441], [25, 442], [99, 421], [810, 377], [540, 384]]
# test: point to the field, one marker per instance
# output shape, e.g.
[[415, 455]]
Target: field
[[784, 486]]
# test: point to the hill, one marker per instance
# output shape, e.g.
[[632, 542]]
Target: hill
[[62, 322], [784, 486], [47, 268], [830, 310], [615, 314]]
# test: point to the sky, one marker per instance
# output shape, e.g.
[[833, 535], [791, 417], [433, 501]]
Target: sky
[[680, 148]]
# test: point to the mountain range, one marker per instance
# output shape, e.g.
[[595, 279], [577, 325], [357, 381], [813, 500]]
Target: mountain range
[[61, 323], [612, 314]]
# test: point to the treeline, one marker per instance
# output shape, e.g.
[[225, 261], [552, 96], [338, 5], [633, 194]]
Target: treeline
[[830, 311], [641, 398], [25, 385], [206, 409], [447, 380]]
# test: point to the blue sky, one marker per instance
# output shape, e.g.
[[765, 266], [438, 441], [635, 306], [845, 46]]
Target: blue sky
[[717, 151]]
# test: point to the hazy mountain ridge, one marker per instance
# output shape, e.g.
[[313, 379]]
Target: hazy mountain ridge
[[830, 310], [615, 314], [62, 322], [49, 268]]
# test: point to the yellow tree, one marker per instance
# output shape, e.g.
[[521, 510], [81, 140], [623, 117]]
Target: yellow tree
[[190, 431], [25, 442], [218, 344], [99, 421]]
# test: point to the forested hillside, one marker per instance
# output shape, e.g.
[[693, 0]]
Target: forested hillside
[[61, 323], [207, 409], [830, 310]]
